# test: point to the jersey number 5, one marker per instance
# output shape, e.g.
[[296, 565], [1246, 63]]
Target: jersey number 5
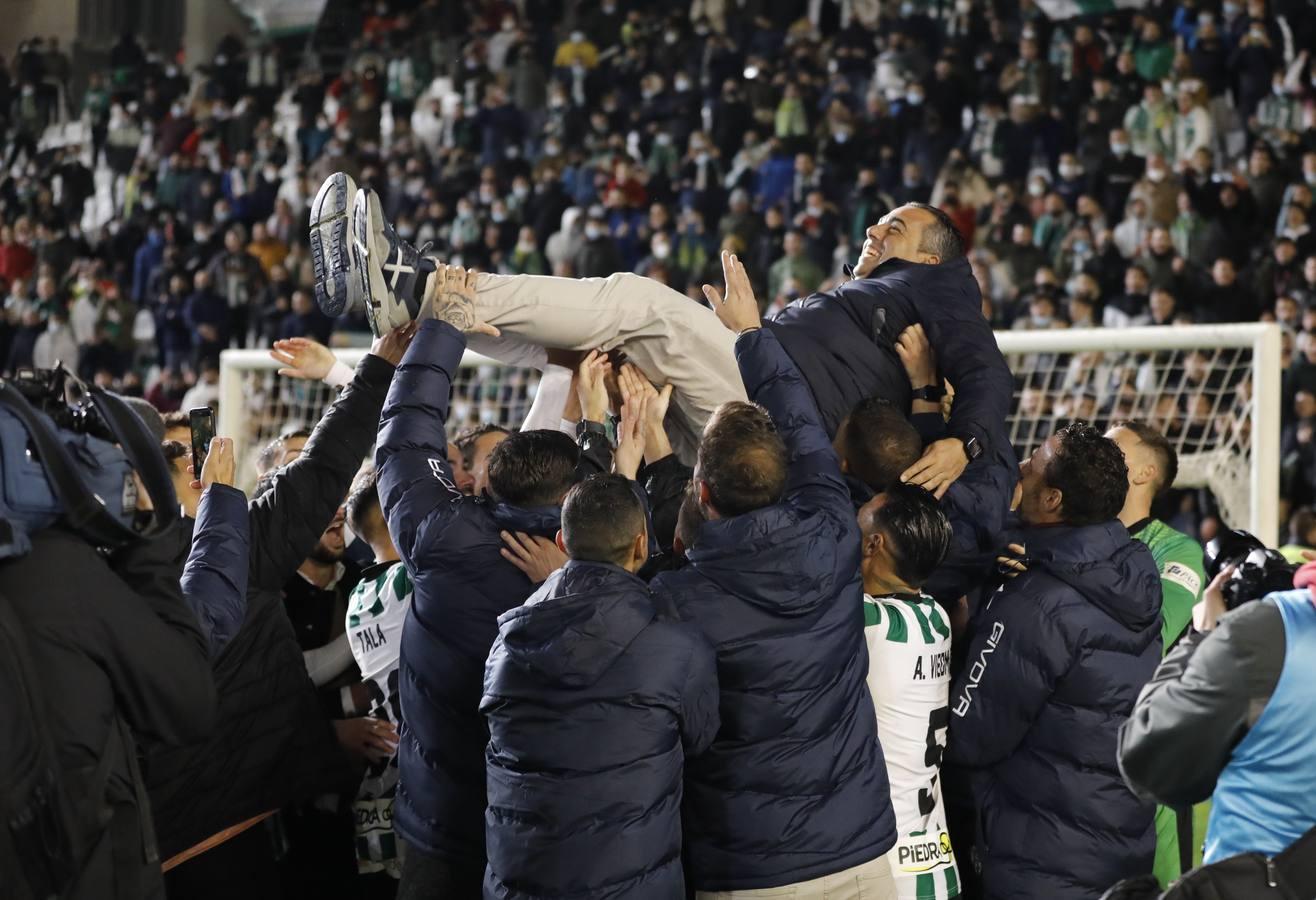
[[939, 721]]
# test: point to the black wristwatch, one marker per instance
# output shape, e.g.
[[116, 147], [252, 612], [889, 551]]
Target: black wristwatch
[[932, 393], [972, 448]]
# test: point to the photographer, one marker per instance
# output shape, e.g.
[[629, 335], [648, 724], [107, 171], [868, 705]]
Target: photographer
[[1230, 710], [107, 653]]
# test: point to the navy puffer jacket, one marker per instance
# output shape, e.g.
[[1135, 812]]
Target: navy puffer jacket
[[593, 702], [1053, 670], [795, 785], [451, 547]]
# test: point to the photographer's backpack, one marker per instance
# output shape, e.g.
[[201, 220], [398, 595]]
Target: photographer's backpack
[[50, 475]]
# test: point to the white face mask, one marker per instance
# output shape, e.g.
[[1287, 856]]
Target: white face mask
[[662, 250], [1156, 175], [1069, 171], [591, 232], [1036, 190]]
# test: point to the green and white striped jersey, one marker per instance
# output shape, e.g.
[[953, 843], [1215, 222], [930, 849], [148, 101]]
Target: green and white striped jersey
[[376, 612], [909, 677]]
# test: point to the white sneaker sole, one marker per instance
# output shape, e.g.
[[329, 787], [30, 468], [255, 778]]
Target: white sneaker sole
[[332, 253]]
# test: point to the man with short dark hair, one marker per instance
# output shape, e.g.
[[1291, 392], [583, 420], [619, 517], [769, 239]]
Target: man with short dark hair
[[1054, 666], [876, 443], [911, 269], [592, 694], [906, 536], [451, 547], [793, 792]]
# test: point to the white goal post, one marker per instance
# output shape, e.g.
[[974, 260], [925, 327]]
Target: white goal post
[[1213, 389]]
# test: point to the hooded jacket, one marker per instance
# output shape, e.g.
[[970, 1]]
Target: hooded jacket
[[451, 547], [844, 342], [795, 786], [1053, 670], [593, 701]]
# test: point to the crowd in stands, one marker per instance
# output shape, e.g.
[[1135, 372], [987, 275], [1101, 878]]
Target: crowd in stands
[[1147, 167], [653, 648]]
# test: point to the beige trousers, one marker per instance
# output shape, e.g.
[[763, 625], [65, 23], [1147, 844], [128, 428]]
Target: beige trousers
[[870, 881], [671, 338]]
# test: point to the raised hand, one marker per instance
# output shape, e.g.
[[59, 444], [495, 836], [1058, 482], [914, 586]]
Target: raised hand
[[738, 311], [537, 557], [303, 358], [450, 296], [630, 437], [591, 387], [390, 347], [633, 384], [219, 467]]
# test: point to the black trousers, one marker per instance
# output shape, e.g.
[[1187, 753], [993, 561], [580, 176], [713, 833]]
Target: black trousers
[[426, 877]]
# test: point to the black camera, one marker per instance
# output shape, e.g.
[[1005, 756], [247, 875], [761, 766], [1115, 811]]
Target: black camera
[[1258, 570], [63, 397], [75, 455]]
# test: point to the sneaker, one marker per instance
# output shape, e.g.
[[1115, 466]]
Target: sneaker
[[332, 254], [391, 273]]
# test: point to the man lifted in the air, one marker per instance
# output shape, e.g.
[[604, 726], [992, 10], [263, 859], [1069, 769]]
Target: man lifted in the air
[[912, 269]]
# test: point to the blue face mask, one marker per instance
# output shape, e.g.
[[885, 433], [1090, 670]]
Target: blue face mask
[[1081, 247]]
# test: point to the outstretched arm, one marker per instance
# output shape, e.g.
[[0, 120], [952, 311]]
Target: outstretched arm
[[773, 381], [416, 488], [288, 519], [214, 581]]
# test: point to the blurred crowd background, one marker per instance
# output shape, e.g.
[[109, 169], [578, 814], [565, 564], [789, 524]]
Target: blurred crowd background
[[1148, 166]]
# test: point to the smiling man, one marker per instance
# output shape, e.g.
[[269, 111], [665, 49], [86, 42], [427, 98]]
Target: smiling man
[[912, 269]]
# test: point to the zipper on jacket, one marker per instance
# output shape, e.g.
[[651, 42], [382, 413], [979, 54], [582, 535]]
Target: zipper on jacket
[[1270, 873]]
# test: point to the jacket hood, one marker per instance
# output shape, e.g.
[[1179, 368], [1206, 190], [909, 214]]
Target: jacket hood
[[539, 520], [573, 628], [765, 559], [1105, 565]]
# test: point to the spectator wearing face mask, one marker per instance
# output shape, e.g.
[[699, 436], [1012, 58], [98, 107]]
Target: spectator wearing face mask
[[1117, 173], [598, 256]]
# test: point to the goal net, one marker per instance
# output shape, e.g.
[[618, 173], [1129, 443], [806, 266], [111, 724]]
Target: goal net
[[256, 404], [1213, 390]]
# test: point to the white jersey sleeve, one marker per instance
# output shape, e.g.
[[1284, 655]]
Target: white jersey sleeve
[[909, 677]]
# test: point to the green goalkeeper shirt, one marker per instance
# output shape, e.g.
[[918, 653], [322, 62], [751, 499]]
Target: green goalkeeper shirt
[[1179, 560]]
